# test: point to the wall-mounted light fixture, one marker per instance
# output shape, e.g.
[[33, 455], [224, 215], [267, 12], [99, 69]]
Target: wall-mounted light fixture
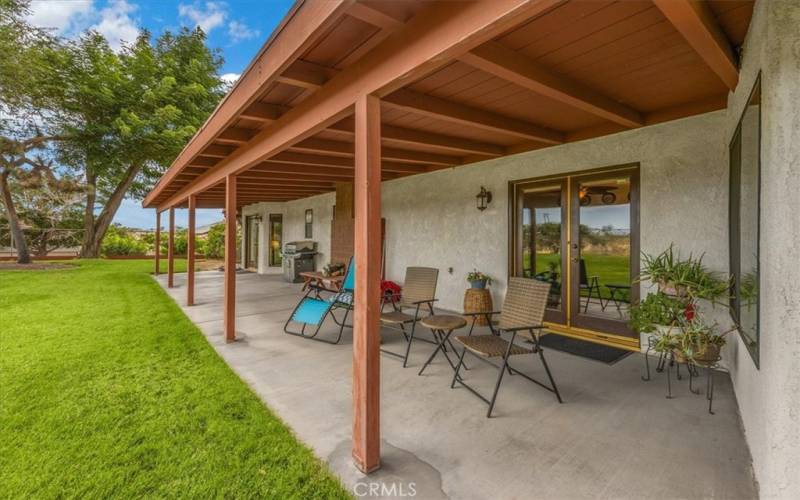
[[483, 198]]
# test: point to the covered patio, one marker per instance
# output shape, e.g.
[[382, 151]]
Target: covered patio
[[614, 437], [385, 119]]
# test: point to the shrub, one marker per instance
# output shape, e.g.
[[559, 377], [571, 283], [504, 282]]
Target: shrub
[[118, 241]]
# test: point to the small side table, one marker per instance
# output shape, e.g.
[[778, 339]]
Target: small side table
[[478, 300], [442, 325]]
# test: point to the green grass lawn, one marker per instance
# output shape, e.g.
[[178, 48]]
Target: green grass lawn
[[610, 269], [108, 390]]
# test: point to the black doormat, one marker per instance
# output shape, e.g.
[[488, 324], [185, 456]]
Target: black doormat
[[591, 350]]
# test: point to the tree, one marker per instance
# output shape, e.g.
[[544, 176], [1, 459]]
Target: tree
[[132, 113], [31, 93]]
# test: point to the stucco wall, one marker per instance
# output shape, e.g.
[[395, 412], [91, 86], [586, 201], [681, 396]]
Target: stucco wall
[[769, 397]]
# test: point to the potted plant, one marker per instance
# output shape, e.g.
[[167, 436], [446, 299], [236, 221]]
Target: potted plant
[[659, 312], [478, 279], [694, 341], [684, 278]]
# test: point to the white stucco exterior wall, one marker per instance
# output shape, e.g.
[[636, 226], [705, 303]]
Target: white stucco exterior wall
[[432, 220], [769, 397]]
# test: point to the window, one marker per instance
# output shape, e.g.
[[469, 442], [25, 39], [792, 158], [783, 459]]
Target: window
[[309, 224], [745, 203]]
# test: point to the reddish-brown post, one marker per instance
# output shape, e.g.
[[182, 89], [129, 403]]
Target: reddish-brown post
[[230, 259], [366, 334], [171, 250], [158, 242], [190, 253]]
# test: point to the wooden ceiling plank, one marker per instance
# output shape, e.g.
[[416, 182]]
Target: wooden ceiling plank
[[517, 68], [466, 115], [695, 21]]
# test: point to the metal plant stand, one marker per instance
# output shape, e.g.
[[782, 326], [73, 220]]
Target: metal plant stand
[[693, 367]]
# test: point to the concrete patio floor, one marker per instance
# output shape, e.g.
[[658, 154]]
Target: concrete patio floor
[[615, 436]]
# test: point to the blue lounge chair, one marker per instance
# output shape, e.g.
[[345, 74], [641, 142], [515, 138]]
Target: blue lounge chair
[[312, 311]]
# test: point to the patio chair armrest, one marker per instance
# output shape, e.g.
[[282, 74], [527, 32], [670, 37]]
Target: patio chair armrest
[[521, 328], [426, 301], [490, 313]]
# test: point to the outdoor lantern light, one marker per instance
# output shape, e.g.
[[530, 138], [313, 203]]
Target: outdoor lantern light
[[483, 198]]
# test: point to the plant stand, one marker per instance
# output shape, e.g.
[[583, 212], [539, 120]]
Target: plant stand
[[668, 361], [478, 300]]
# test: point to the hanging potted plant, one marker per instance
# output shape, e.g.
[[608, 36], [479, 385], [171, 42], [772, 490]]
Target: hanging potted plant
[[478, 279], [684, 278]]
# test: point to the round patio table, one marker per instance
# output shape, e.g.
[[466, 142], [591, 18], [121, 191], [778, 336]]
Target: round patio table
[[442, 326]]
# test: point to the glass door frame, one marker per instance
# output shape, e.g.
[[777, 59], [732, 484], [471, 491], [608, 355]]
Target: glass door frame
[[617, 336], [597, 322], [251, 241], [273, 254], [559, 316]]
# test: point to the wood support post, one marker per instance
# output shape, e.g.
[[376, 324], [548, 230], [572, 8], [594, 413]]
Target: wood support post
[[366, 327], [190, 236], [157, 243], [230, 259], [171, 249]]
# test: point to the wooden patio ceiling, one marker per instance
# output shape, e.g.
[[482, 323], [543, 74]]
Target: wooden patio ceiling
[[458, 82]]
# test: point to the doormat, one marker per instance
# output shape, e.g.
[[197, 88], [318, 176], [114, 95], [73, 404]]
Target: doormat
[[591, 350]]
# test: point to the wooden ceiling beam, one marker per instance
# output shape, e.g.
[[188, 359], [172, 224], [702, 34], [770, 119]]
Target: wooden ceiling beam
[[462, 114], [373, 16], [306, 75], [495, 59], [339, 162], [412, 137], [695, 21], [263, 112], [235, 135], [347, 150], [203, 161], [217, 151]]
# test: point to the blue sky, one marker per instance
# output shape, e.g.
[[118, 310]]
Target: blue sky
[[237, 27]]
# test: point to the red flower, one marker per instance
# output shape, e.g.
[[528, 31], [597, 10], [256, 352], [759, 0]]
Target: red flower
[[688, 313]]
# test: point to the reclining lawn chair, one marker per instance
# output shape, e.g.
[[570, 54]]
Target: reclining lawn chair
[[419, 289], [522, 313], [312, 311]]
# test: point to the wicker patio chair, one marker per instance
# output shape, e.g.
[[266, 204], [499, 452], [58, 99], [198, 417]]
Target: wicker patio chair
[[419, 289], [313, 310], [522, 315]]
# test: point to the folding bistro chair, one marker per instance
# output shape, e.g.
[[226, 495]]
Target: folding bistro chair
[[419, 289], [312, 311], [522, 314], [590, 283]]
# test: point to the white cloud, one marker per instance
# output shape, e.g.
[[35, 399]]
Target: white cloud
[[72, 17], [116, 23], [64, 17], [239, 31], [208, 18], [230, 78]]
